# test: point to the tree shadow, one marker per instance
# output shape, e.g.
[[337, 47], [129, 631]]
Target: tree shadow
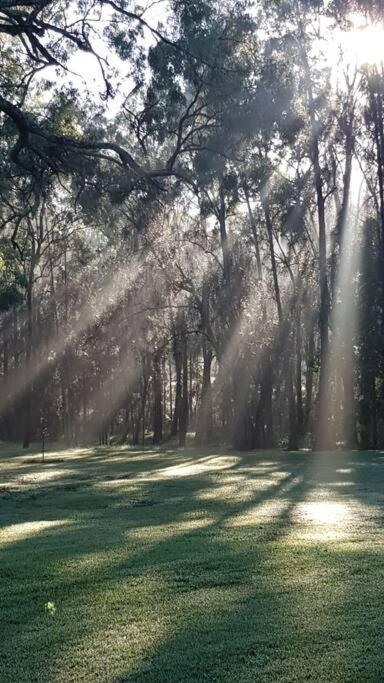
[[218, 558]]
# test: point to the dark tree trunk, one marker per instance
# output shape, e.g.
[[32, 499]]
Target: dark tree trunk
[[309, 362], [5, 357], [204, 416], [299, 391], [254, 231], [28, 365], [136, 427], [15, 334], [349, 426], [242, 430], [293, 435], [65, 367], [264, 412], [268, 222], [177, 354], [367, 405], [143, 403], [321, 431], [170, 391]]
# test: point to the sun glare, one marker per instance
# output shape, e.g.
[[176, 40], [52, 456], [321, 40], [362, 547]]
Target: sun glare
[[363, 44]]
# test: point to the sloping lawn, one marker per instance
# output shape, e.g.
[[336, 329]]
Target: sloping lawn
[[124, 565]]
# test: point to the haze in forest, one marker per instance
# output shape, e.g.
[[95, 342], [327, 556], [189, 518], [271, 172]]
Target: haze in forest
[[192, 223]]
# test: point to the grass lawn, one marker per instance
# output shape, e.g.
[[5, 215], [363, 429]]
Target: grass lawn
[[125, 565]]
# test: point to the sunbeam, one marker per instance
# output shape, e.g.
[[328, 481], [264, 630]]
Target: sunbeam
[[337, 410]]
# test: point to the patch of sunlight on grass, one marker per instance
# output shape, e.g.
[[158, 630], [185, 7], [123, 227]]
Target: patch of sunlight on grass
[[232, 478], [268, 510], [196, 515], [19, 532], [260, 471], [325, 513], [327, 520], [279, 475], [267, 463], [209, 464], [92, 563], [245, 488], [222, 492], [119, 486], [165, 531], [266, 484], [68, 453], [275, 479], [43, 476], [126, 456], [341, 484]]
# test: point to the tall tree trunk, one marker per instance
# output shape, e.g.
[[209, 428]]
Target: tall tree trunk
[[177, 355], [5, 356], [157, 399], [299, 391], [264, 412], [339, 255], [84, 396], [268, 222], [183, 420], [28, 363], [65, 366], [170, 390], [224, 242], [267, 387], [367, 409], [374, 412], [321, 431], [293, 436], [243, 431], [6, 414], [254, 230], [309, 363], [349, 426], [204, 415], [144, 394], [377, 114], [15, 337], [190, 393]]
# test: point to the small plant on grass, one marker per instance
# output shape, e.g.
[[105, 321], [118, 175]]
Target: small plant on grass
[[50, 607]]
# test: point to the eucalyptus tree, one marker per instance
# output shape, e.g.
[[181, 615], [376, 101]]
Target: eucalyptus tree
[[53, 125]]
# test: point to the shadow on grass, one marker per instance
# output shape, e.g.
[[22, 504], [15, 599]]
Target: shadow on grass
[[162, 577]]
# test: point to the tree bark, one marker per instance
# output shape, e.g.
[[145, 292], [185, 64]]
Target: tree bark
[[183, 420], [157, 399]]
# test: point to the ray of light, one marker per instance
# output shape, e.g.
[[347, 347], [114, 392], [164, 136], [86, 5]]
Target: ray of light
[[335, 413], [47, 353]]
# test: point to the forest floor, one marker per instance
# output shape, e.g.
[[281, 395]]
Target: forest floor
[[125, 565]]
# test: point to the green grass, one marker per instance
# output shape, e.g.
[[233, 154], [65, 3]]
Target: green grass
[[124, 565]]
